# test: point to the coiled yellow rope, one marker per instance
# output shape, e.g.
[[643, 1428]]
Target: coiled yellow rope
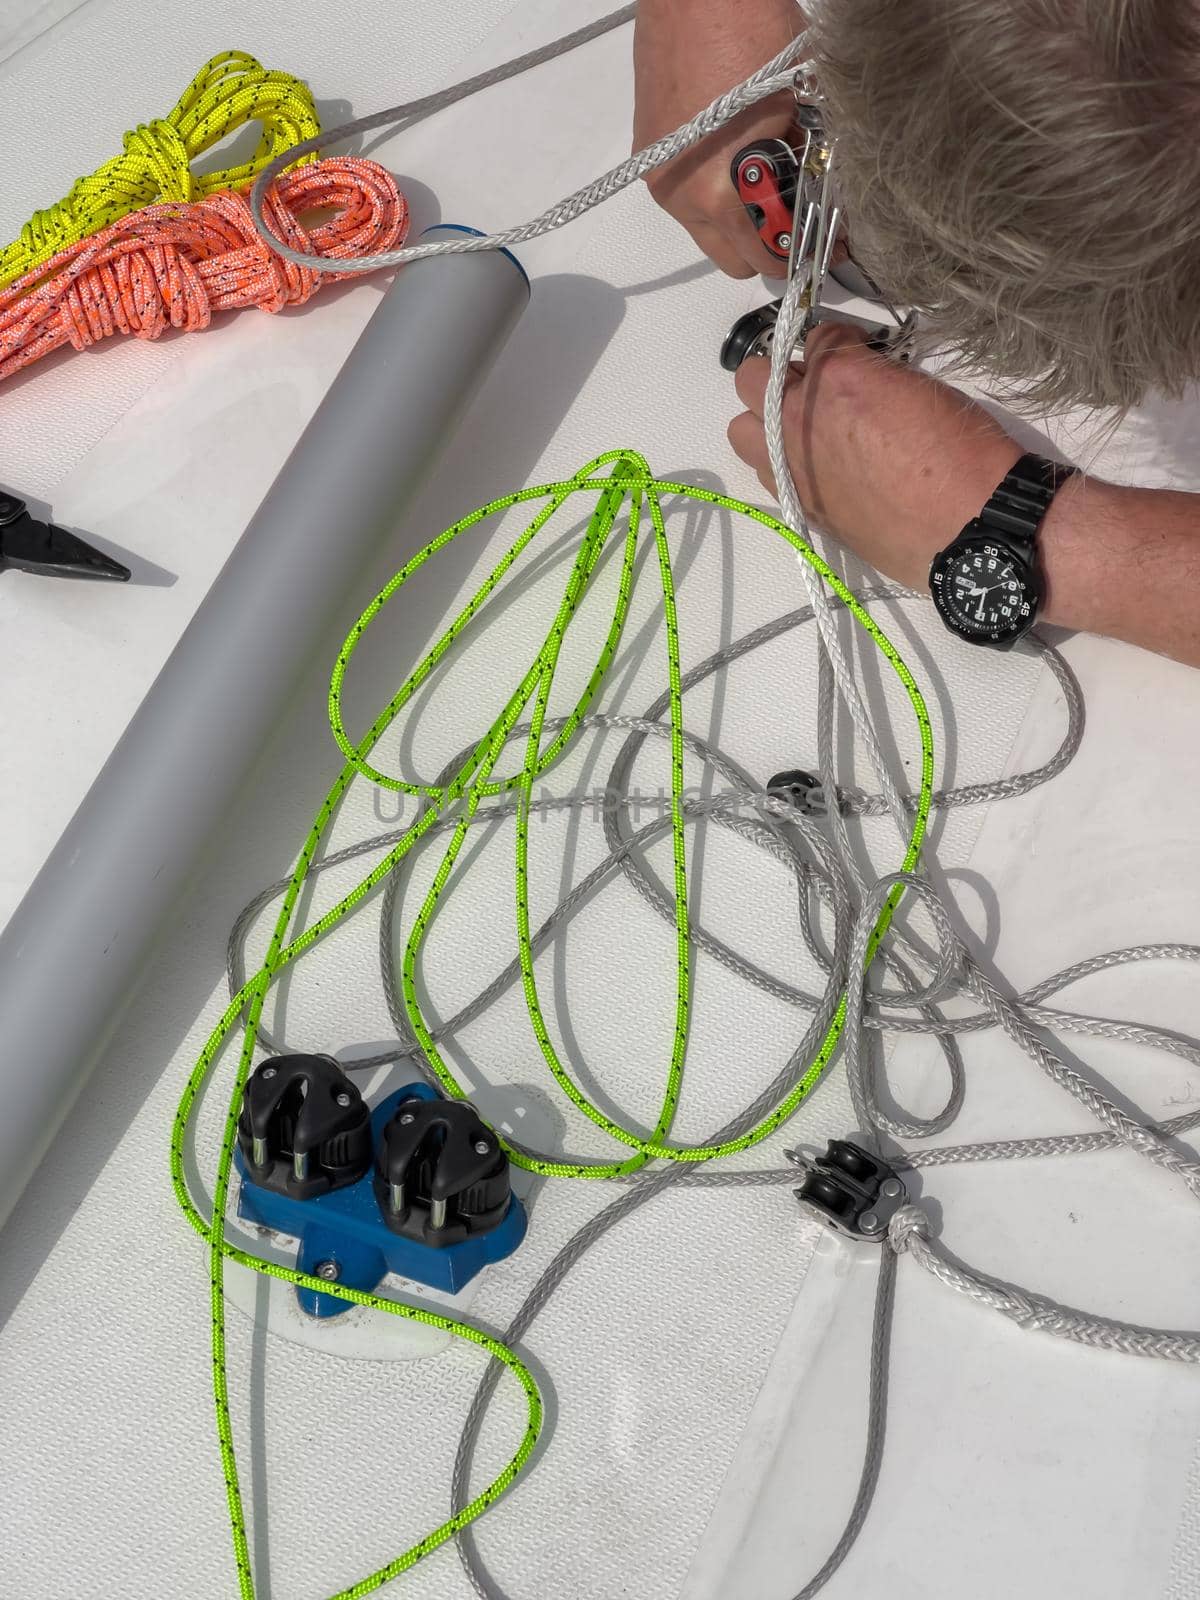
[[155, 164]]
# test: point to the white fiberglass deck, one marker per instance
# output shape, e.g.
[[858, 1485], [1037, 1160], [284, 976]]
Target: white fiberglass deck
[[706, 1362]]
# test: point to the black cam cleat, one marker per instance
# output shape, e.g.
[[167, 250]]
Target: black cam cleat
[[304, 1129], [441, 1174]]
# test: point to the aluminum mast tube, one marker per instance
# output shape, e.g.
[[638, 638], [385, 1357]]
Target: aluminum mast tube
[[78, 942]]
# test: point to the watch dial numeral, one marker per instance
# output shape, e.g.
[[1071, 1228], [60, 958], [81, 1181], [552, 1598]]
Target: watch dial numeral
[[982, 593]]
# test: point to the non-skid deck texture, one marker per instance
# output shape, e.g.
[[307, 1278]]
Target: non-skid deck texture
[[705, 1364]]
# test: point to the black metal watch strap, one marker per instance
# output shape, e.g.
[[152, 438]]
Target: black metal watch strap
[[1021, 501]]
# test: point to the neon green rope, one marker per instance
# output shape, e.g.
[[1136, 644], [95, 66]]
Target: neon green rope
[[629, 484]]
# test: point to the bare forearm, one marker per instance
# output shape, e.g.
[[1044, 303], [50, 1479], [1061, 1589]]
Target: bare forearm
[[895, 464], [1125, 563]]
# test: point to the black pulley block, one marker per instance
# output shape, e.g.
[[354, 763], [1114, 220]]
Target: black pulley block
[[750, 336], [801, 791], [852, 1190]]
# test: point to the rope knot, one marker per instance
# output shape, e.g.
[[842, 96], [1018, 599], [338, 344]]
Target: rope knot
[[908, 1222]]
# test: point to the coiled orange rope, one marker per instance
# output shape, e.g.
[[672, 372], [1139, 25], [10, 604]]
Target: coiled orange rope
[[172, 266]]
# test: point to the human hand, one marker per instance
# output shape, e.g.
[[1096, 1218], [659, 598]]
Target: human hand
[[889, 461], [685, 54]]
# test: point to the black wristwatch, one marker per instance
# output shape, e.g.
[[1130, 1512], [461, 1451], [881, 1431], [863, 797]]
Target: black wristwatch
[[986, 585]]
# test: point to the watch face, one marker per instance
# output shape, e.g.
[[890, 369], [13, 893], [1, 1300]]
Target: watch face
[[984, 591]]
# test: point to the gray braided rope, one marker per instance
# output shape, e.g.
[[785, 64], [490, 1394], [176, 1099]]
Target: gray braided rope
[[788, 325], [1146, 1141], [909, 1233], [768, 839], [828, 879], [909, 1230], [1062, 1144], [618, 782], [776, 76], [648, 724], [877, 1388]]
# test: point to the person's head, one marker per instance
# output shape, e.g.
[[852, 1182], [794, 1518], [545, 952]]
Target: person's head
[[1027, 173]]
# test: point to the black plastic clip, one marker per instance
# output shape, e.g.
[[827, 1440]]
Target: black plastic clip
[[304, 1129], [852, 1191], [33, 546], [801, 790]]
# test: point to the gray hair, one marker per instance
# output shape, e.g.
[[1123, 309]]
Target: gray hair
[[1027, 174]]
